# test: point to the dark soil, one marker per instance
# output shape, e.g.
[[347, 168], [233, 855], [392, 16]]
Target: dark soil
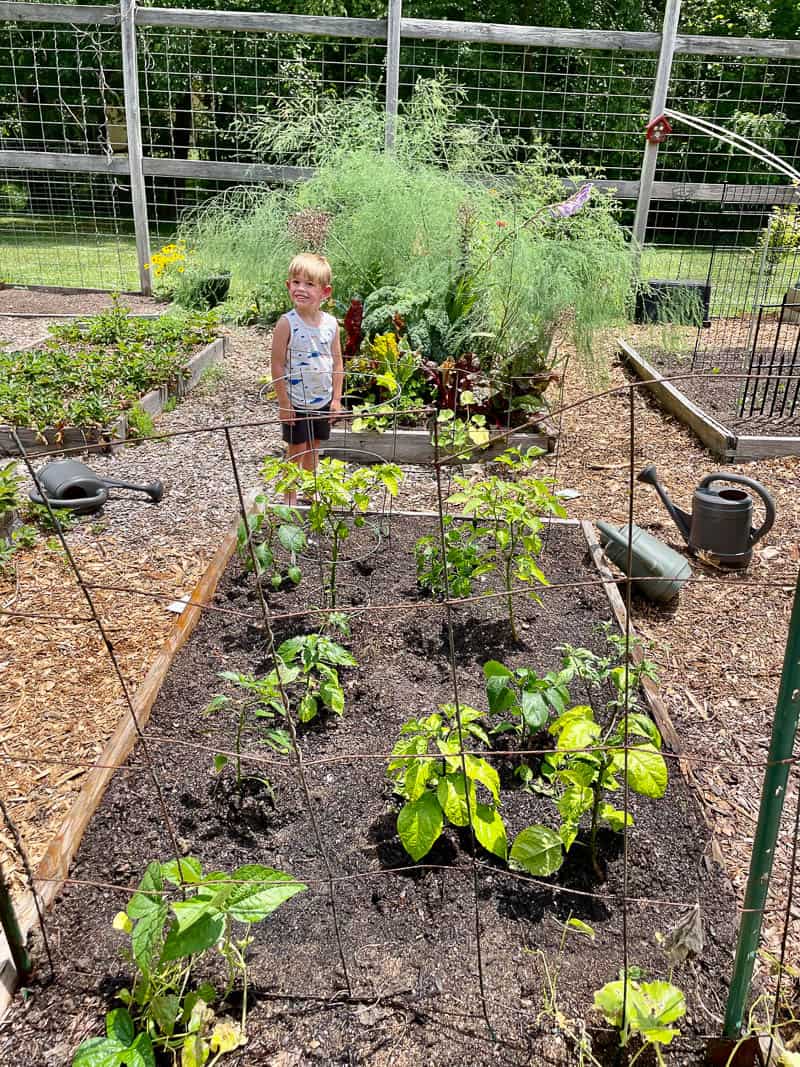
[[408, 936], [721, 396]]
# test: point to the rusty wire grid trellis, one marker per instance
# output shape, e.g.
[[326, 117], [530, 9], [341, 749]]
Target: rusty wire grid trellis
[[478, 869]]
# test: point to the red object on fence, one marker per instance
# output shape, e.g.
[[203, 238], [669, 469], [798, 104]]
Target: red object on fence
[[658, 130]]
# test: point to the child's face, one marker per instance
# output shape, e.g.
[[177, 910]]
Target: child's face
[[306, 294]]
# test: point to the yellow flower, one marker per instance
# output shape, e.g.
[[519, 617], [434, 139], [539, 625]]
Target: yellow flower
[[147, 266], [180, 270]]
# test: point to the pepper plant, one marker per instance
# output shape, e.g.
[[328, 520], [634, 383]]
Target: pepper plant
[[271, 523], [163, 1010], [429, 775], [527, 699], [338, 495], [511, 510], [465, 556], [312, 659]]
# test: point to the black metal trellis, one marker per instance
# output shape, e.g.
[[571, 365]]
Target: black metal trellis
[[772, 385]]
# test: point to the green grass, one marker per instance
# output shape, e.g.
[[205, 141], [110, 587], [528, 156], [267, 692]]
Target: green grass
[[37, 250]]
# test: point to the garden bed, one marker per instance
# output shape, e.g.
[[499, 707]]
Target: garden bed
[[408, 935], [709, 406], [96, 437], [414, 446]]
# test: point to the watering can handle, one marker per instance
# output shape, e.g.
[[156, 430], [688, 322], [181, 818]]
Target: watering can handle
[[73, 502], [757, 487]]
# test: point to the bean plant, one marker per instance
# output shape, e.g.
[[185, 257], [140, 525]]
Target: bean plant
[[338, 495], [511, 510], [649, 1010], [436, 788], [164, 1011]]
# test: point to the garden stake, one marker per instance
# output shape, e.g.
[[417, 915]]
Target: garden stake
[[776, 775], [16, 944]]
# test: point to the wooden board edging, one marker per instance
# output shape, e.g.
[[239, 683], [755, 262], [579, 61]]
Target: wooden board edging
[[719, 440], [652, 694], [54, 865], [414, 446]]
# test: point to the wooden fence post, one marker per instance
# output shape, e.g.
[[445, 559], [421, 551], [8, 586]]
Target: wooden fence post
[[395, 14], [133, 122], [669, 32]]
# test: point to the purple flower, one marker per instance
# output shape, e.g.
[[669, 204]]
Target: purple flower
[[572, 206]]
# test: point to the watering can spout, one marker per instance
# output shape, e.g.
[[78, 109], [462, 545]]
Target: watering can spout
[[682, 519]]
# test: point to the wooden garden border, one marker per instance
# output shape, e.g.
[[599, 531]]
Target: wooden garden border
[[414, 446], [723, 443], [54, 866], [152, 402]]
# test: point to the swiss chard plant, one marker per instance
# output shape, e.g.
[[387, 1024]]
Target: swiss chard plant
[[466, 559], [338, 495], [438, 788], [511, 510], [590, 761], [646, 1010], [164, 1010], [272, 525]]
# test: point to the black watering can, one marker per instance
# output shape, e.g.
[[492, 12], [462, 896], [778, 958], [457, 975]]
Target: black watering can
[[66, 483], [721, 520]]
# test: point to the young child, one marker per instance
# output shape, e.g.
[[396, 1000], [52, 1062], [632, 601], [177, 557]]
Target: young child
[[306, 363]]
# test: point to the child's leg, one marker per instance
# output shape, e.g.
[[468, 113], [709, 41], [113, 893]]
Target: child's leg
[[295, 453]]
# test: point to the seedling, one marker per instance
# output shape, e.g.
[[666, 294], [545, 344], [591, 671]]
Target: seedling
[[162, 1011], [649, 1009], [313, 658], [435, 787]]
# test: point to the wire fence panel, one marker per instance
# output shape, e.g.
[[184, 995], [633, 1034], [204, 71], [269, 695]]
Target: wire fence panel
[[72, 230], [590, 106]]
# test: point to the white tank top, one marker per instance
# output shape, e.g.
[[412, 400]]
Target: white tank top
[[309, 361]]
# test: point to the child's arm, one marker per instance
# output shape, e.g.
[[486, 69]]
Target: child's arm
[[338, 374], [280, 344]]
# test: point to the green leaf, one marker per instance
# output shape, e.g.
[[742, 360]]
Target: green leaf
[[292, 538], [568, 831], [419, 825], [482, 771], [166, 1009], [98, 1052], [452, 797], [294, 574], [204, 932], [195, 1051], [308, 708], [263, 891], [418, 775], [642, 725], [120, 1027], [215, 704], [537, 850], [187, 869], [647, 771], [148, 895], [220, 761], [574, 801], [581, 927], [490, 829], [616, 819], [534, 710]]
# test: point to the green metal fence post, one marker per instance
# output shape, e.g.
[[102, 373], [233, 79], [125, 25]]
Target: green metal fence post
[[8, 920], [773, 794]]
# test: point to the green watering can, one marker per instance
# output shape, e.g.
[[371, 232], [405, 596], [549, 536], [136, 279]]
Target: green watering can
[[664, 569]]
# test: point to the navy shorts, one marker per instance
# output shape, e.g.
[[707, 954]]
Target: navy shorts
[[308, 426]]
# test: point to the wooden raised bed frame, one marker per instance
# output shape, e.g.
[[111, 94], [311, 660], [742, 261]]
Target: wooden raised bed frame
[[54, 867]]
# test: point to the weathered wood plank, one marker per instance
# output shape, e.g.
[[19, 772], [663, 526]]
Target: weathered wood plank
[[245, 172], [76, 15], [262, 22], [754, 447], [133, 125], [713, 434], [414, 446], [763, 47], [72, 162]]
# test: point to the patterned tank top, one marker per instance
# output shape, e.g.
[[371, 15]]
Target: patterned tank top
[[309, 361]]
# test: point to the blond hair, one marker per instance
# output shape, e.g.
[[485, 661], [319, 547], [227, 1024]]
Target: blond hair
[[314, 267]]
